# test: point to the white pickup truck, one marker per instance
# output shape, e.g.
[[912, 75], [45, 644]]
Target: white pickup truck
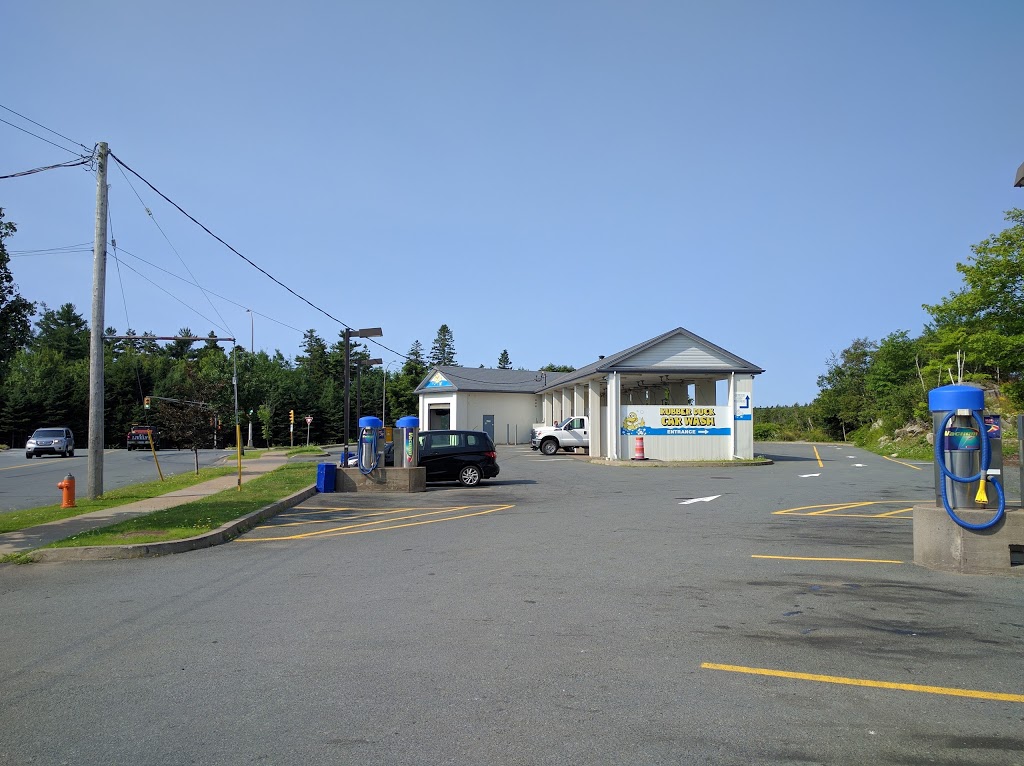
[[568, 435]]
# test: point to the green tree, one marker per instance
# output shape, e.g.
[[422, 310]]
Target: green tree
[[983, 320], [504, 363], [843, 404], [64, 331], [402, 399], [892, 382], [442, 352], [15, 312], [181, 349]]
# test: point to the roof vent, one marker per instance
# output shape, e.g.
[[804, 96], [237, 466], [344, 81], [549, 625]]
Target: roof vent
[[601, 357]]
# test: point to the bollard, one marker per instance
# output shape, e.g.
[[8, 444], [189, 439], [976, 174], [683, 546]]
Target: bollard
[[638, 448], [68, 497]]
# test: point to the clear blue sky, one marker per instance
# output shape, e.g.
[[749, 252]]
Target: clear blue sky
[[559, 179]]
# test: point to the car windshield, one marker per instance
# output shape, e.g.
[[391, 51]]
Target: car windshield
[[48, 433]]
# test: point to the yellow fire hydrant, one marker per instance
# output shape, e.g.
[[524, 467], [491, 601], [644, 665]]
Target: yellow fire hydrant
[[68, 485]]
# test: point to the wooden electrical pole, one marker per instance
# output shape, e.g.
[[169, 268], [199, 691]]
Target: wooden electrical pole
[[99, 280]]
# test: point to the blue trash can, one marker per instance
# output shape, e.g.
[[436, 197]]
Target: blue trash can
[[325, 476]]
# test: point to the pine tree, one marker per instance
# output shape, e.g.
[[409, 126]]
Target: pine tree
[[443, 351], [15, 312], [504, 363]]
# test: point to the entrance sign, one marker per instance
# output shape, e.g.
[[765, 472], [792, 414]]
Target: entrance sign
[[689, 420], [744, 410]]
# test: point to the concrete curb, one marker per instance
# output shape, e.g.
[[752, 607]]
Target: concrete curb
[[652, 463], [222, 534]]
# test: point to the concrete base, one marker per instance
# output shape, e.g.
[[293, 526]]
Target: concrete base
[[381, 480], [941, 543]]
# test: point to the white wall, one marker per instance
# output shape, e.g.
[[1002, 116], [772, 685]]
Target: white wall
[[514, 414]]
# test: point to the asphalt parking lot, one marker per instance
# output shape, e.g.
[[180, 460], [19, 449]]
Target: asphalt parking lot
[[565, 613]]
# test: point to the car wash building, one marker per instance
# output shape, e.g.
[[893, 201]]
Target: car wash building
[[685, 397]]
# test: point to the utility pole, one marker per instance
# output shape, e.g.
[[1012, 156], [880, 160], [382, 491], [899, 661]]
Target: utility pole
[[94, 484]]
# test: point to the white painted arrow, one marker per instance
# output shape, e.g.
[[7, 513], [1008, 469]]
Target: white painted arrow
[[699, 500], [808, 475]]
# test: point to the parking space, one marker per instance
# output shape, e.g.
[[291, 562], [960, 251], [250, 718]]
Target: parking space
[[339, 515]]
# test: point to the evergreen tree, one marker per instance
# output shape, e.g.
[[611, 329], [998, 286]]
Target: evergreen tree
[[181, 349], [504, 363], [15, 312], [64, 331], [442, 353]]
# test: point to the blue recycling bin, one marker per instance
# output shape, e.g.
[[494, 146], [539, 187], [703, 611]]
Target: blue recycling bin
[[325, 477]]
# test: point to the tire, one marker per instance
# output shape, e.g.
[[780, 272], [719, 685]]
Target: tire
[[549, 447], [28, 455], [72, 453], [469, 475]]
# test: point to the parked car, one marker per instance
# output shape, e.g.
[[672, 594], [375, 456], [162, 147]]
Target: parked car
[[51, 441], [138, 437], [463, 456]]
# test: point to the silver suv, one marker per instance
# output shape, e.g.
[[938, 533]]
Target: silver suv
[[51, 441]]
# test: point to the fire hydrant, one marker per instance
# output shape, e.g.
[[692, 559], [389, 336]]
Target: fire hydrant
[[68, 485]]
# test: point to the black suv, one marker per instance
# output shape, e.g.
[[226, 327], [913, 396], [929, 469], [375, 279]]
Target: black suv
[[462, 456]]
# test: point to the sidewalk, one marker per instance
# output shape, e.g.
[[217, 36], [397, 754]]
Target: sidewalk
[[28, 539]]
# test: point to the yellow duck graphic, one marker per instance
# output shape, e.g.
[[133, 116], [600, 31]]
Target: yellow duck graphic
[[632, 422]]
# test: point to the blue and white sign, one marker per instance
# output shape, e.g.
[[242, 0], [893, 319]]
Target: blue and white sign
[[744, 407], [438, 381]]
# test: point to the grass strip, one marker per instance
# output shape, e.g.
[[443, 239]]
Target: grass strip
[[200, 516], [31, 517]]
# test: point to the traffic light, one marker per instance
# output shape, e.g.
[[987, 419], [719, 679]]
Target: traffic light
[[145, 402], [291, 416]]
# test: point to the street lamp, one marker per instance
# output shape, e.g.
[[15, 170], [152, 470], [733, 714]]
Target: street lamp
[[367, 332], [252, 343]]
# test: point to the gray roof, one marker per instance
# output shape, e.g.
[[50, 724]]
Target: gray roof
[[484, 380], [705, 358]]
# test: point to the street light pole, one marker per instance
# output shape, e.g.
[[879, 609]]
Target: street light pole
[[348, 334]]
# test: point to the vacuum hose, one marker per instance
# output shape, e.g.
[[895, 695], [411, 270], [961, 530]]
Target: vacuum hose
[[367, 470], [982, 474]]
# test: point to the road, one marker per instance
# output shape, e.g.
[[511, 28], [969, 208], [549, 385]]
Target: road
[[32, 483], [566, 613]]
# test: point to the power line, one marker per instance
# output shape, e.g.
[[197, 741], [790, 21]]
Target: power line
[[174, 249], [82, 247], [211, 292], [68, 164], [244, 258], [50, 130], [168, 292]]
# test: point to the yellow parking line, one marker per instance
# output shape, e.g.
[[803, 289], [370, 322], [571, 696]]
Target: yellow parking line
[[952, 692], [891, 513], [352, 529], [832, 509], [841, 507], [817, 456], [908, 465], [817, 558], [310, 511]]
